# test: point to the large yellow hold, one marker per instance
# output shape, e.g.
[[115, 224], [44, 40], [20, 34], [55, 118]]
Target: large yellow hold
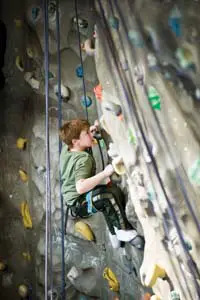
[[113, 283], [23, 175], [26, 215], [21, 143], [85, 230], [153, 274]]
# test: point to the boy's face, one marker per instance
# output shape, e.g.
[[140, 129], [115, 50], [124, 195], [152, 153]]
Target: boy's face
[[85, 140]]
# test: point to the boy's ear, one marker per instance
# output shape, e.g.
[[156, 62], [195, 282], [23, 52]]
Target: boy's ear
[[74, 142]]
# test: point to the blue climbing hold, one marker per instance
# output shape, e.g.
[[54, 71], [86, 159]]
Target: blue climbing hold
[[174, 21], [79, 71], [83, 297], [35, 13], [114, 23], [188, 245], [174, 295], [86, 101]]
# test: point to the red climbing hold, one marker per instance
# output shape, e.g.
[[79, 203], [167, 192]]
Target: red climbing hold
[[98, 92]]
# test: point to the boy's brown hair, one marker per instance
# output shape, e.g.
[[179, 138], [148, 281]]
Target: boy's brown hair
[[72, 130]]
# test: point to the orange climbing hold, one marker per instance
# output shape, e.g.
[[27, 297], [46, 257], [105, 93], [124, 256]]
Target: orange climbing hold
[[146, 296], [98, 92]]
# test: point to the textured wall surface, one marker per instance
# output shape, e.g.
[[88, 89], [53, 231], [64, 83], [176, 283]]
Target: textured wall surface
[[155, 66], [145, 55]]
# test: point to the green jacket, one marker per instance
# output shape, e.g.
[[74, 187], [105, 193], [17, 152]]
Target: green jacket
[[74, 166]]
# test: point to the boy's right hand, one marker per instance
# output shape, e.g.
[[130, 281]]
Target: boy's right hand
[[109, 170]]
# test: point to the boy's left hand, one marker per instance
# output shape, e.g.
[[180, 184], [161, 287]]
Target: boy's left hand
[[94, 128]]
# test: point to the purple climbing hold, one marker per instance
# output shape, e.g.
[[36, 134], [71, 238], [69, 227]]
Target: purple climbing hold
[[124, 65]]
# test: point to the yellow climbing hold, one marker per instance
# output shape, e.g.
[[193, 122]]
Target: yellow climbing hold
[[118, 165], [94, 141], [113, 283], [23, 290], [85, 230], [23, 175], [154, 297], [21, 143], [26, 215], [29, 52], [18, 23], [2, 266], [153, 274], [19, 63], [26, 256]]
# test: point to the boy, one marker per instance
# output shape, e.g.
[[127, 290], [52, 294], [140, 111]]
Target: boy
[[81, 188]]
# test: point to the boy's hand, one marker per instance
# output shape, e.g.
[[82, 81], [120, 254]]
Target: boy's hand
[[108, 171], [94, 128]]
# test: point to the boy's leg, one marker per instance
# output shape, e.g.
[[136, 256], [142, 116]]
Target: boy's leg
[[109, 202]]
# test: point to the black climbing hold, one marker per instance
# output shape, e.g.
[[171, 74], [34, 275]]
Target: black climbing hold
[[138, 242]]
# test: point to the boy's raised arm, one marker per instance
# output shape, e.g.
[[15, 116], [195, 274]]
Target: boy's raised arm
[[85, 185]]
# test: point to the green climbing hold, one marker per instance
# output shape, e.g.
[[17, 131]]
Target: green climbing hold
[[50, 75], [174, 295], [102, 144], [131, 137], [194, 173], [151, 194], [35, 13], [154, 98], [114, 23], [185, 58]]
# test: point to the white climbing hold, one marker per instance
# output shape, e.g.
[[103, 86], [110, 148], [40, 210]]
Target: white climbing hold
[[113, 151], [34, 83], [88, 47], [104, 125], [197, 94], [74, 273], [65, 92]]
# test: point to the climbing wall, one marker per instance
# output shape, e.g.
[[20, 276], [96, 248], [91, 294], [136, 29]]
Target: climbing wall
[[84, 260], [147, 62], [140, 65]]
